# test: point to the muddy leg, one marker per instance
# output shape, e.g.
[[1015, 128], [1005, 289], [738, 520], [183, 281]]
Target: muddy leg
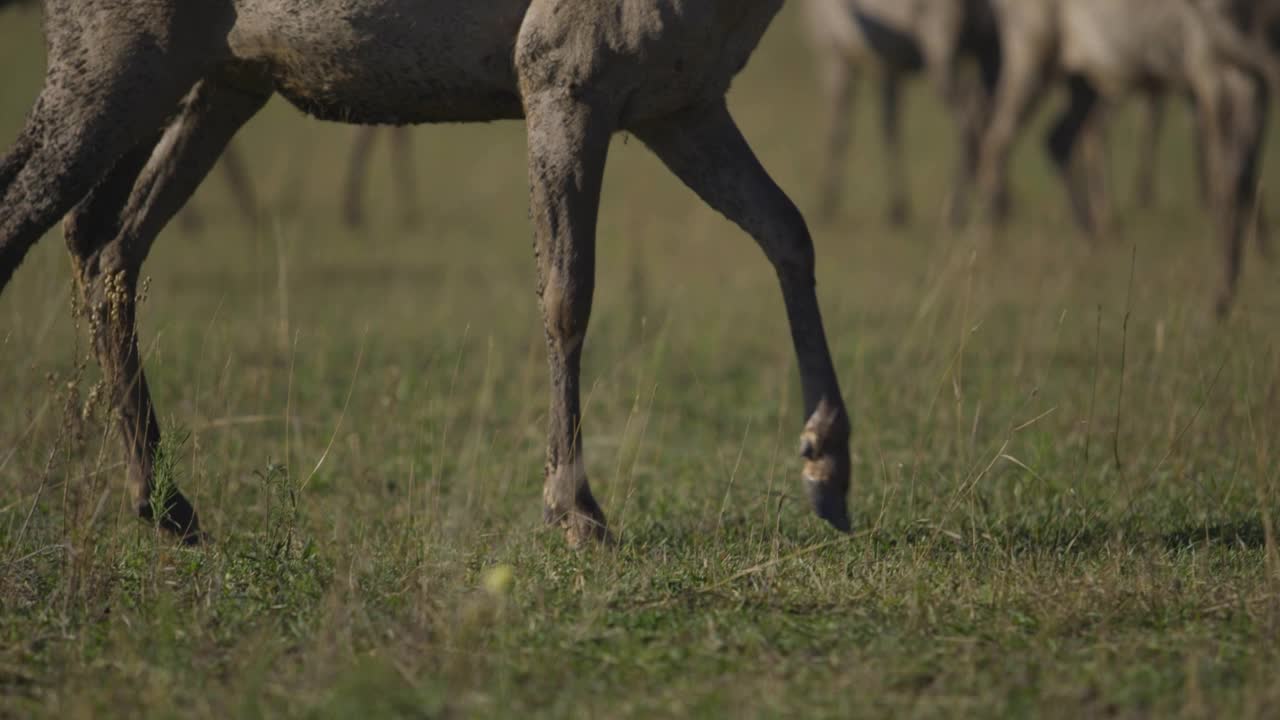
[[895, 163], [705, 149], [75, 134], [357, 174], [568, 144], [109, 235]]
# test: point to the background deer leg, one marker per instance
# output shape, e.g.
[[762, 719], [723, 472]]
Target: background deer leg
[[357, 174], [1020, 87], [406, 177], [1063, 143], [839, 83], [891, 132], [1150, 129]]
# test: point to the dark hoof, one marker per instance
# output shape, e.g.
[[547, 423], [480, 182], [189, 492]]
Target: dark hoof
[[824, 445], [584, 525], [829, 504]]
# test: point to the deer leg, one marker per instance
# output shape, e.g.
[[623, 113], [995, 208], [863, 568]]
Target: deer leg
[[357, 174], [80, 126], [1239, 146], [1149, 132], [1256, 212], [839, 82], [109, 235], [406, 177], [970, 137], [1200, 147], [1020, 87], [960, 96], [891, 130], [1062, 144], [1097, 177], [568, 145], [705, 149]]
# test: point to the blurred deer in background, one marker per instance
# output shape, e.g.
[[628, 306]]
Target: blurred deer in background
[[405, 180], [897, 39], [402, 169], [1104, 49]]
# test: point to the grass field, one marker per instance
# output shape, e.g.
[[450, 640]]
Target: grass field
[[1065, 470]]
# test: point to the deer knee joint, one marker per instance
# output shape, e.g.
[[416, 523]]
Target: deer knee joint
[[790, 247], [565, 313]]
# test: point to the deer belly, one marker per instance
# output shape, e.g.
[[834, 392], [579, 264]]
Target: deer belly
[[387, 61]]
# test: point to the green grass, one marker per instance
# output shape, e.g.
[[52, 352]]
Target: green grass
[[1065, 487]]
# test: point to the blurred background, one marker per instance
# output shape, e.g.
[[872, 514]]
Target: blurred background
[[932, 328], [1030, 385]]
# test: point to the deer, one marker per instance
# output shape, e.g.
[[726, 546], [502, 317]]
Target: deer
[[141, 97], [1105, 49], [939, 39]]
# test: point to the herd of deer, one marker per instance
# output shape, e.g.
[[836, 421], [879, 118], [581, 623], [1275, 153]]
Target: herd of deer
[[993, 61], [141, 98]]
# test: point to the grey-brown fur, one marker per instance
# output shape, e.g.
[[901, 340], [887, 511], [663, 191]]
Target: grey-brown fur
[[142, 96], [1107, 48], [939, 38]]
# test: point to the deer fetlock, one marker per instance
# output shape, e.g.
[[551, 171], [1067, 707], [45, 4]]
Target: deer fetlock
[[567, 503], [824, 445]]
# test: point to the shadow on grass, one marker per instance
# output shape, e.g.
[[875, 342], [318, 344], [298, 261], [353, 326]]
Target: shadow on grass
[[1019, 537], [1248, 534]]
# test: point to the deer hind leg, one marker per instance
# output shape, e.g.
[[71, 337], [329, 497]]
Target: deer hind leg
[[568, 145], [109, 235], [90, 113], [705, 149]]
